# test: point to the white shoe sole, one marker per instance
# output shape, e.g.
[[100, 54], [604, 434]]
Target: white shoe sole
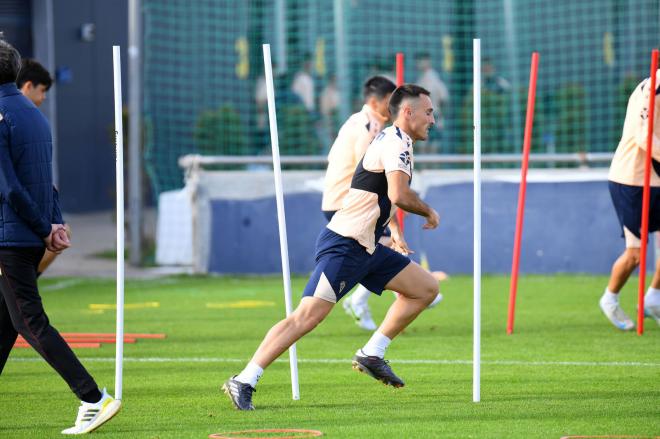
[[108, 413], [621, 325], [653, 312], [366, 326]]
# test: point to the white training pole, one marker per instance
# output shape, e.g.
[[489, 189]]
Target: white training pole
[[476, 350], [281, 220], [119, 170]]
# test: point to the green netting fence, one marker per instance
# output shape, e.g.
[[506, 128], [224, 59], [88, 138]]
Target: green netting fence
[[204, 90]]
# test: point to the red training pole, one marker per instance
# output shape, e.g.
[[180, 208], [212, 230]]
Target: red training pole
[[646, 197], [521, 193], [399, 82]]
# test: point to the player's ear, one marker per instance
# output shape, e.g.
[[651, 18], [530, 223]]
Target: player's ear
[[27, 86]]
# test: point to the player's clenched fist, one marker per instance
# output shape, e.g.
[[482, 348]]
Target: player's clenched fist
[[432, 220]]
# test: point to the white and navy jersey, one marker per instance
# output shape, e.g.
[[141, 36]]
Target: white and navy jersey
[[366, 209], [628, 163], [346, 152]]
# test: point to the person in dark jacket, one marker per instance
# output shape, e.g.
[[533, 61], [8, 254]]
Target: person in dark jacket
[[30, 222], [34, 81]]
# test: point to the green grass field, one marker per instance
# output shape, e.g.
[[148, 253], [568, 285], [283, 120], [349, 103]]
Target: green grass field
[[566, 371]]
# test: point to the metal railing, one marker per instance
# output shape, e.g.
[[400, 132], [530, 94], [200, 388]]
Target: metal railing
[[191, 161]]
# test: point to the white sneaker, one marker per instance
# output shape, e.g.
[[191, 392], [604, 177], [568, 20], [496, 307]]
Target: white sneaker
[[616, 315], [346, 304], [437, 300], [653, 311], [363, 318], [92, 416]]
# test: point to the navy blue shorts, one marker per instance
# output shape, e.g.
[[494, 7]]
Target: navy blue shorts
[[342, 262], [328, 214], [627, 202]]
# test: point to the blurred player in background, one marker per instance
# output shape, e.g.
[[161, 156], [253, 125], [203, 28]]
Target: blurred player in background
[[626, 181], [346, 152], [348, 251], [34, 81]]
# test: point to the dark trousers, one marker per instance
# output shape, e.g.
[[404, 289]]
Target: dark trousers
[[21, 312]]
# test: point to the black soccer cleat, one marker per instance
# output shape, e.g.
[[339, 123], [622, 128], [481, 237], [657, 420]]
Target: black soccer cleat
[[239, 393], [377, 368]]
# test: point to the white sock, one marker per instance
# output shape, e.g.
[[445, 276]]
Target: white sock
[[250, 374], [652, 297], [376, 346], [610, 297], [360, 296]]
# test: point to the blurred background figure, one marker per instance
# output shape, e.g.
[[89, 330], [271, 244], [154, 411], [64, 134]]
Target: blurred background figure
[[429, 78], [329, 106], [493, 82], [303, 84]]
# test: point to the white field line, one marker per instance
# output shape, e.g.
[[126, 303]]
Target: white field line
[[344, 360], [62, 284]]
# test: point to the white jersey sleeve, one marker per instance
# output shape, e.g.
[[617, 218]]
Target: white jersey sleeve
[[396, 155]]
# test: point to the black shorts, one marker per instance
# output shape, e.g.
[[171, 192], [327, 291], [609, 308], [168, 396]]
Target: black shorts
[[627, 202], [342, 262]]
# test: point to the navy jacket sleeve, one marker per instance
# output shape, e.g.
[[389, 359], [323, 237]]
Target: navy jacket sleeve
[[13, 191], [57, 213]]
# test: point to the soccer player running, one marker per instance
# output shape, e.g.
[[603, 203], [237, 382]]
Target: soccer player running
[[31, 222], [626, 181], [348, 252], [346, 152]]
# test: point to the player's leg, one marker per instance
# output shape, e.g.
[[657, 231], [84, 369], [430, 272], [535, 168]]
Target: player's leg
[[310, 312], [621, 271], [8, 334], [416, 288], [357, 306], [652, 297], [339, 265], [18, 285], [627, 201], [46, 261], [622, 268]]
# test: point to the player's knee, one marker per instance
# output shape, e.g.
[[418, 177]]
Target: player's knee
[[429, 290], [305, 322], [632, 257]]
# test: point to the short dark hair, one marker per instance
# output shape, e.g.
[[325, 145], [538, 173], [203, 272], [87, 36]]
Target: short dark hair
[[32, 71], [10, 62], [403, 92], [378, 86]]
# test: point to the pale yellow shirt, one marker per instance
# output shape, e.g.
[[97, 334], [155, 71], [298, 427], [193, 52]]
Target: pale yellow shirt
[[346, 152], [367, 207], [628, 163]]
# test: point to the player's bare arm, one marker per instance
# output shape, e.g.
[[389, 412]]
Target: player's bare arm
[[398, 242], [399, 192]]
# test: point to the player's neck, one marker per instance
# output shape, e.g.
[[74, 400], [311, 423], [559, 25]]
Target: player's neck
[[382, 119]]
